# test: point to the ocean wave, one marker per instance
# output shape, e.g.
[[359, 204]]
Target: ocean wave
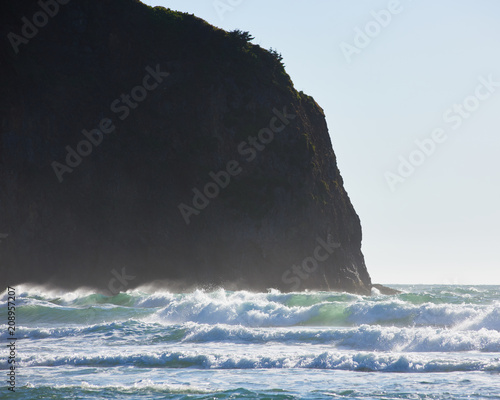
[[398, 313], [261, 312], [272, 309], [365, 337], [360, 361], [65, 315], [146, 388], [141, 385], [249, 312]]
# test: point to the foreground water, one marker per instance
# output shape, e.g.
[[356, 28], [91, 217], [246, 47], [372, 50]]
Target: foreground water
[[430, 342]]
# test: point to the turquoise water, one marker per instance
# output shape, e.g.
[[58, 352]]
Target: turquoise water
[[430, 342]]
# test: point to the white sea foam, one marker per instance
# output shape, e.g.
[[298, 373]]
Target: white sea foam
[[365, 337], [354, 361], [152, 342], [264, 309]]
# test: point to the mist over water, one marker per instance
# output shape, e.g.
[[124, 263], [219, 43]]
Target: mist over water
[[238, 344]]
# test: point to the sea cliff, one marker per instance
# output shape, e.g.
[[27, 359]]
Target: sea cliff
[[141, 144]]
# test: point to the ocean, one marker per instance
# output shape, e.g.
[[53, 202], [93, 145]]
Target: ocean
[[429, 342]]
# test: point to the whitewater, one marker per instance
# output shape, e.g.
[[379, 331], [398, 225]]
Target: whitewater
[[428, 342]]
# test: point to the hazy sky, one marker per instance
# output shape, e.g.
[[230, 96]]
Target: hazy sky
[[388, 74]]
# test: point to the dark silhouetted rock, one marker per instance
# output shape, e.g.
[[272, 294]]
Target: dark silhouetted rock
[[198, 96]]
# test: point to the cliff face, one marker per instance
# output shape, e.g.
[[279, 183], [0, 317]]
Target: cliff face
[[141, 144]]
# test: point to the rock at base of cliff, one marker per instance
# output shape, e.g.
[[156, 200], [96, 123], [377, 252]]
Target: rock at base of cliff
[[385, 290]]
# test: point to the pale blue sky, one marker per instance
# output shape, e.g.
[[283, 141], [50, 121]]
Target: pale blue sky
[[442, 224]]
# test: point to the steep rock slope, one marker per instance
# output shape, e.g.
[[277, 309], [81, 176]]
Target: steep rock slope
[[116, 122]]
